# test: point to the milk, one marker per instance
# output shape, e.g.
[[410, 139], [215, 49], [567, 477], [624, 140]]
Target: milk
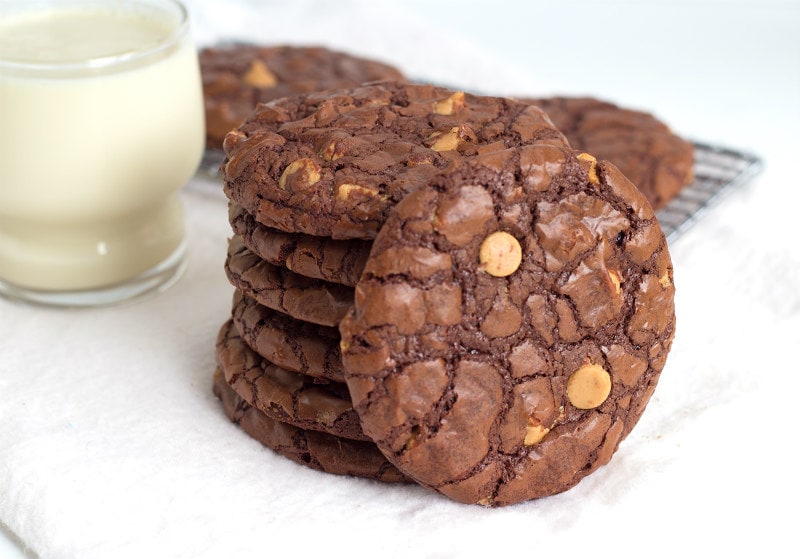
[[92, 154]]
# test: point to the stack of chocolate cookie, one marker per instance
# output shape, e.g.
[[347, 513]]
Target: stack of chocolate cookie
[[307, 419], [295, 284], [280, 374], [433, 286]]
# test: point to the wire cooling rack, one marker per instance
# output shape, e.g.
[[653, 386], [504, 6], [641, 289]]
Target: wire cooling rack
[[717, 171]]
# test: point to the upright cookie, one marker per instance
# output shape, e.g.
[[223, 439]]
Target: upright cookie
[[333, 163], [292, 344], [316, 450], [332, 260], [510, 325], [284, 395], [239, 76], [280, 289], [647, 152]]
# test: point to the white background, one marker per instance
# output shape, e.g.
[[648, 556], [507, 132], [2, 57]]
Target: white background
[[111, 445]]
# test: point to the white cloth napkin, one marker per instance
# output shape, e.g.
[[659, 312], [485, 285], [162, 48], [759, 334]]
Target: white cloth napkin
[[112, 444]]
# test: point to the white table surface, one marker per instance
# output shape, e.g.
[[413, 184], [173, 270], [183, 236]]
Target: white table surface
[[111, 444]]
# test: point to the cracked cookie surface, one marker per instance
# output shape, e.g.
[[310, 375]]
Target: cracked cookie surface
[[333, 163], [644, 149], [314, 449], [495, 374], [284, 395], [237, 77]]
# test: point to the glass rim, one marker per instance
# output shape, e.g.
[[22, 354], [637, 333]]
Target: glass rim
[[100, 63]]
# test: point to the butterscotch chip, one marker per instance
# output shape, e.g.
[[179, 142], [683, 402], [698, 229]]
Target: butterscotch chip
[[616, 281], [330, 152], [300, 175], [588, 387], [487, 373], [345, 190], [500, 254], [258, 75], [534, 433], [592, 167], [450, 105], [446, 142]]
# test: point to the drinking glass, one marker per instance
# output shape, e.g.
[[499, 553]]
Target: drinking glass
[[101, 123]]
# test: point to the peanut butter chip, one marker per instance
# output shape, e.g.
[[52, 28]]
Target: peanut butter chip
[[588, 387], [593, 178], [329, 153], [615, 281], [534, 433], [413, 439], [307, 171], [450, 105], [500, 254], [258, 75], [346, 189], [446, 142]]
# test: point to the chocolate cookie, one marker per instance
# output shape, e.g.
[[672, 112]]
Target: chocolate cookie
[[280, 289], [237, 77], [510, 325], [316, 450], [333, 164], [647, 152], [284, 395], [336, 261], [288, 343]]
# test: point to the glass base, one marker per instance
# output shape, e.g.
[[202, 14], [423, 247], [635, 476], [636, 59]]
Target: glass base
[[154, 280]]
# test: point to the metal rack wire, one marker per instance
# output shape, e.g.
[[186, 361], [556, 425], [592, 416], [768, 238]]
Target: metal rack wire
[[717, 171]]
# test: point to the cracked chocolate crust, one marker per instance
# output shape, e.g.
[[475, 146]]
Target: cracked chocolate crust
[[643, 148], [237, 77], [316, 450], [283, 395], [280, 289], [336, 261], [292, 344], [333, 163], [472, 370]]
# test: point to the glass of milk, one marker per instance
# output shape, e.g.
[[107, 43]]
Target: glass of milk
[[101, 123]]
